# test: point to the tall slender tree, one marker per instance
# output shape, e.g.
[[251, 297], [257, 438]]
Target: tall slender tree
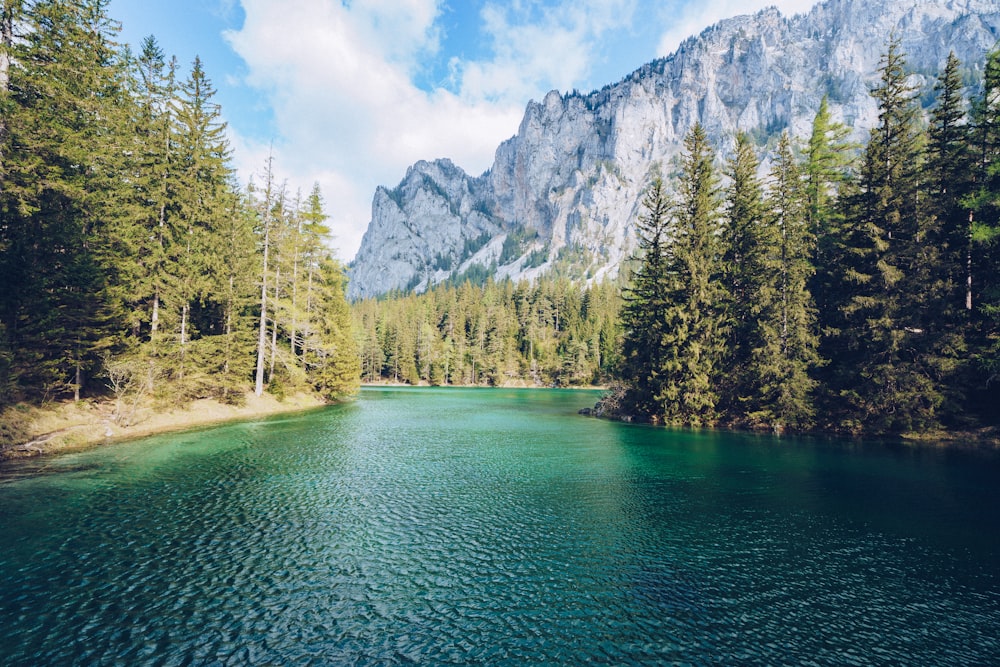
[[983, 295], [882, 375], [829, 162], [197, 242], [787, 342], [745, 243], [645, 302], [694, 321]]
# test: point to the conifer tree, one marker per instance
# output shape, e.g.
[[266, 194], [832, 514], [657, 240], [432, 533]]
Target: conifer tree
[[266, 222], [829, 159], [983, 299], [744, 245], [196, 242], [883, 380], [332, 361], [943, 267], [694, 320], [154, 89], [645, 303], [787, 341], [59, 307]]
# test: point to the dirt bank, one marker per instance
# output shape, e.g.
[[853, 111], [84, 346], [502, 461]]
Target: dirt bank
[[62, 427]]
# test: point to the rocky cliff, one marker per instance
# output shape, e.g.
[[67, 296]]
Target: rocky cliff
[[563, 194]]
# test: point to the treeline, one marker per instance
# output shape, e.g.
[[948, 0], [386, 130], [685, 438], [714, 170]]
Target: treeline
[[850, 293], [551, 333], [130, 258]]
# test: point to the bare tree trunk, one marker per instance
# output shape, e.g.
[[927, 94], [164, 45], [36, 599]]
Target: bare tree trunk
[[262, 329], [274, 327], [295, 284], [968, 268], [184, 320]]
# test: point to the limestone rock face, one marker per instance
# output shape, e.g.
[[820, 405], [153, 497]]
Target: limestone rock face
[[566, 190]]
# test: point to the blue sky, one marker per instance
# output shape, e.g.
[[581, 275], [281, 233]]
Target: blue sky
[[348, 93]]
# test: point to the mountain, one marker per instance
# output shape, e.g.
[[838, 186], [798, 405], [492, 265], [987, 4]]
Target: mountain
[[563, 194]]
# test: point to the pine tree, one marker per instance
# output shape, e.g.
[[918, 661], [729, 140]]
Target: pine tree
[[196, 241], [60, 305], [644, 306], [694, 321], [154, 90], [332, 361], [942, 270], [882, 378], [743, 271], [829, 160], [787, 340], [267, 224], [983, 284]]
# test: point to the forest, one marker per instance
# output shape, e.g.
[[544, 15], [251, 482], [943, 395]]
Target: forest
[[855, 289], [551, 333], [132, 261]]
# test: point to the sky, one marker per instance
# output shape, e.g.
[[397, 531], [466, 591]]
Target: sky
[[349, 93]]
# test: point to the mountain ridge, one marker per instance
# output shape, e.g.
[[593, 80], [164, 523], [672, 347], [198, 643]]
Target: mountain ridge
[[563, 193]]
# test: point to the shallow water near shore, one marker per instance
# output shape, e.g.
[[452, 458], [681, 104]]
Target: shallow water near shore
[[458, 526]]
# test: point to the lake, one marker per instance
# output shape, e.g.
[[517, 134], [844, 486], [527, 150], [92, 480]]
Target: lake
[[477, 526]]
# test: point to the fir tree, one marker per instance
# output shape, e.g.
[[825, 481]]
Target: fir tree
[[787, 349], [983, 300], [883, 381], [60, 305], [694, 321], [743, 270], [829, 160], [645, 303], [942, 271], [196, 241]]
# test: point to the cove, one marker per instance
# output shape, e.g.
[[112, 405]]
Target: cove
[[494, 526]]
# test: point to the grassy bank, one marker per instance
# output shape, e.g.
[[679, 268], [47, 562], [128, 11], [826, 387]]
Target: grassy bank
[[34, 431]]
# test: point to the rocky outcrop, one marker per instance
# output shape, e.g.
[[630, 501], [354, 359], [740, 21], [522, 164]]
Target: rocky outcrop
[[565, 191]]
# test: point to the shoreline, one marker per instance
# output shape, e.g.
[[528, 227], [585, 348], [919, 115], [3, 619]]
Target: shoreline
[[512, 385], [71, 427]]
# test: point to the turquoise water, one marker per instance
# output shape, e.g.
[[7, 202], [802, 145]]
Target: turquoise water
[[464, 526]]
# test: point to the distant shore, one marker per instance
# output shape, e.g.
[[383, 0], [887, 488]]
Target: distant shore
[[510, 385], [69, 426]]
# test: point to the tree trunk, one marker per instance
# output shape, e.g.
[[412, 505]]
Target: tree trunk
[[274, 327], [7, 11]]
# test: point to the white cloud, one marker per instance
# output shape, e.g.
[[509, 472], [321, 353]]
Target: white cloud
[[339, 78], [538, 47], [695, 16]]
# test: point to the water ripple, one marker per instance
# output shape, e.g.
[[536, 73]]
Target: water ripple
[[406, 530]]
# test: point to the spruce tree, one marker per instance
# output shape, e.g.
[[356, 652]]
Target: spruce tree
[[156, 201], [645, 303], [694, 320], [983, 299], [829, 161], [61, 236], [944, 252], [743, 271], [882, 375], [787, 340], [196, 242]]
